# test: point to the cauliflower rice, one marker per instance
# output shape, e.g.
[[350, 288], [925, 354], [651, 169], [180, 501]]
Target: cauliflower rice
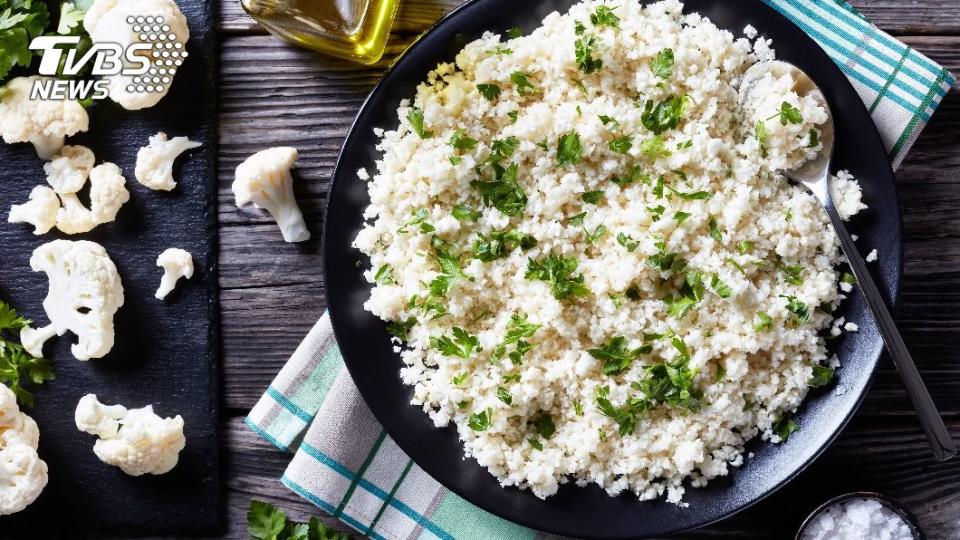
[[586, 300]]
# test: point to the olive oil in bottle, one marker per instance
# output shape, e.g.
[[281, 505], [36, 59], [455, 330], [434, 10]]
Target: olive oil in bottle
[[353, 29]]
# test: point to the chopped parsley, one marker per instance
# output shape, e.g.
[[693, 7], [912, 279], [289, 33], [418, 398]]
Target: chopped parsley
[[666, 262], [577, 219], [499, 244], [504, 395], [584, 49], [788, 114], [671, 383], [17, 366], [462, 212], [518, 330], [785, 425], [384, 275], [456, 160], [480, 421], [502, 192], [632, 176], [737, 265], [664, 115], [450, 270], [415, 117], [690, 293], [760, 132], [800, 311], [599, 232], [720, 287], [792, 274], [615, 356], [604, 16], [460, 141], [625, 416], [656, 212], [621, 145], [604, 119], [680, 217], [544, 426], [513, 116], [628, 242], [522, 81], [744, 246], [569, 149], [462, 344], [535, 443], [461, 378], [715, 231], [662, 64], [592, 197], [500, 50], [419, 219], [560, 272], [847, 277], [654, 148], [821, 376], [489, 91], [514, 32], [401, 329], [814, 139]]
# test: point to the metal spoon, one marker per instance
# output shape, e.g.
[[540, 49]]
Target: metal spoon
[[815, 176]]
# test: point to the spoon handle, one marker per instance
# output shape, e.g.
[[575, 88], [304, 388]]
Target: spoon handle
[[941, 442]]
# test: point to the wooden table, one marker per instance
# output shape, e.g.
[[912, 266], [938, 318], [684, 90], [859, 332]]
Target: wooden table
[[272, 293]]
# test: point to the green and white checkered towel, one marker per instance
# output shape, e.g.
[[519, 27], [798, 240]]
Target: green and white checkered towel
[[343, 461]]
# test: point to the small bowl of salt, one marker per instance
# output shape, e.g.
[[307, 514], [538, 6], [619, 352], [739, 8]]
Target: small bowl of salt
[[860, 515]]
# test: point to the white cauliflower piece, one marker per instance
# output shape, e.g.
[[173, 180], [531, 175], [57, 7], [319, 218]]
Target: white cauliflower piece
[[144, 443], [264, 179], [155, 161], [40, 211], [85, 292], [73, 217], [69, 170], [42, 122], [23, 475], [176, 263], [98, 419], [108, 193], [106, 22]]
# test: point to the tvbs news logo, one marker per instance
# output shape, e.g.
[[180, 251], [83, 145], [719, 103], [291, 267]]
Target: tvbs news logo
[[147, 65]]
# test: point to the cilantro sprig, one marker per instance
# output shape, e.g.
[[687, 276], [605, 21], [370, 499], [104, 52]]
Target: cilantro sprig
[[17, 366], [267, 522]]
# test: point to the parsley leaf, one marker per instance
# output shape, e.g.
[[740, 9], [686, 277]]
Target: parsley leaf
[[592, 197], [654, 148], [544, 426], [480, 421], [522, 80], [569, 149], [604, 119], [744, 246], [662, 64], [760, 132], [625, 416], [514, 32], [384, 275], [666, 262], [503, 192], [415, 117], [17, 366], [813, 138], [715, 230], [489, 91], [788, 114], [504, 395], [462, 344], [616, 356], [264, 521], [559, 271], [460, 141], [764, 322], [656, 212], [659, 117], [671, 383], [621, 145], [513, 116], [628, 242], [821, 376], [680, 216], [499, 244], [720, 287], [462, 212], [401, 329], [604, 16], [800, 311], [577, 219], [584, 49], [596, 234], [785, 425]]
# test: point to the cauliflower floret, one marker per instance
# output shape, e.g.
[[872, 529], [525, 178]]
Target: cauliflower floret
[[98, 419], [69, 170], [23, 475], [85, 292], [264, 179], [40, 211], [73, 217], [144, 443], [42, 122], [176, 263], [105, 21], [155, 161], [108, 193]]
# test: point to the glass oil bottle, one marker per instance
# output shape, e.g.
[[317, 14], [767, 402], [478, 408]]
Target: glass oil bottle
[[356, 30]]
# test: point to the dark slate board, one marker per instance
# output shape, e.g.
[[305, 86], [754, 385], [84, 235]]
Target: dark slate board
[[166, 353]]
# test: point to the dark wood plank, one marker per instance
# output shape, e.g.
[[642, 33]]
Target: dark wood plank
[[899, 17], [863, 454]]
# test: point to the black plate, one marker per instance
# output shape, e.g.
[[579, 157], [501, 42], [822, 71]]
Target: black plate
[[589, 512]]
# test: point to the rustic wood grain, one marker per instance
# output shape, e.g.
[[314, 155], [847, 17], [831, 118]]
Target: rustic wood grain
[[272, 292]]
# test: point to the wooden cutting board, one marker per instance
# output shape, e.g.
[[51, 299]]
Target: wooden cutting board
[[166, 352]]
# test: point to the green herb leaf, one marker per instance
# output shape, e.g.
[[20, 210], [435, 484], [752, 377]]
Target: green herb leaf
[[744, 246], [384, 275], [664, 115], [462, 212], [596, 234], [401, 329], [462, 344], [604, 16], [821, 376], [504, 395], [813, 137], [662, 64], [784, 426], [625, 416], [592, 197], [788, 114], [654, 148], [489, 91], [264, 521], [513, 116], [621, 145], [656, 212], [415, 117], [584, 49], [544, 426], [569, 150], [560, 272], [763, 323], [760, 132], [460, 141], [480, 421], [535, 443], [577, 219], [615, 356], [628, 242], [792, 273], [800, 311], [456, 160], [522, 81], [604, 119], [847, 277], [514, 32], [17, 366], [503, 192], [720, 287], [499, 244], [680, 217]]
